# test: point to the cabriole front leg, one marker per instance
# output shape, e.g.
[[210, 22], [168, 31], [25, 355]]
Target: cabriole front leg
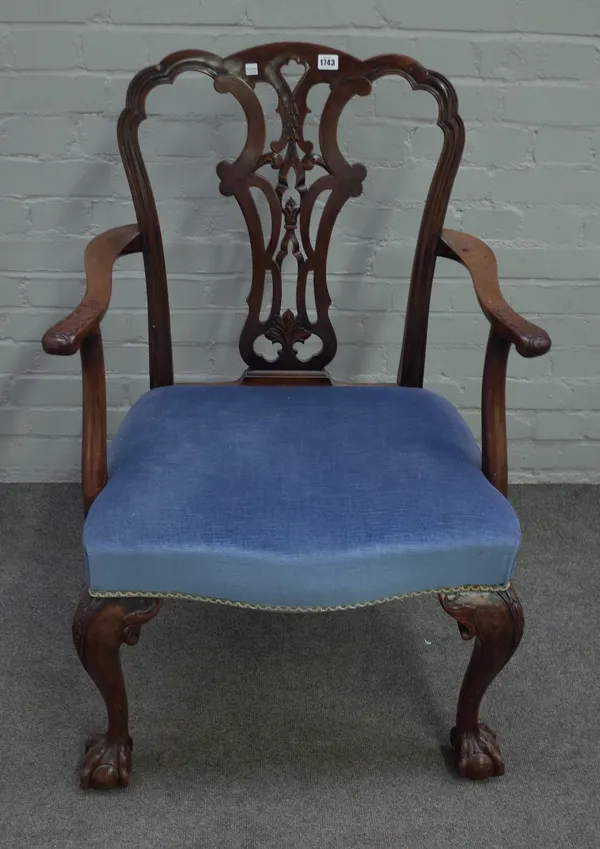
[[100, 627], [495, 620]]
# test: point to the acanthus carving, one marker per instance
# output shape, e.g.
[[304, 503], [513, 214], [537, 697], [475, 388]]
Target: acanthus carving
[[287, 330], [136, 612], [61, 337]]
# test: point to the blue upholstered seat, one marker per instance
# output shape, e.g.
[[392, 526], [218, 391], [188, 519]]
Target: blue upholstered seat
[[296, 497]]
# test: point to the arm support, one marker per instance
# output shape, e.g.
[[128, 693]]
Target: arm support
[[494, 458], [80, 331], [507, 327], [94, 470], [480, 262], [65, 338]]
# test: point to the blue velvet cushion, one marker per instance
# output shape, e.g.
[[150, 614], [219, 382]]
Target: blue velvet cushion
[[299, 497]]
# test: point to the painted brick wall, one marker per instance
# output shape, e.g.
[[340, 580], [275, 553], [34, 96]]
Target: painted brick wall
[[528, 78]]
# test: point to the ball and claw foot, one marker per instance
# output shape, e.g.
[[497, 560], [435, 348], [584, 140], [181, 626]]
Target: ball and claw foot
[[105, 765], [476, 753]]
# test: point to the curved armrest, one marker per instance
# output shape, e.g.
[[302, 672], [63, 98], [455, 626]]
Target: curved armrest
[[100, 255], [529, 339]]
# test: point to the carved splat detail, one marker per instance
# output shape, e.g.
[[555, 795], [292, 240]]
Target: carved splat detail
[[287, 330], [291, 156]]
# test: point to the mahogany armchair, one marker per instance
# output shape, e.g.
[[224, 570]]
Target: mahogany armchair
[[367, 493]]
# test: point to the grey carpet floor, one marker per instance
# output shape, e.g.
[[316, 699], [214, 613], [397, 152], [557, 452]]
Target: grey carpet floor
[[265, 731]]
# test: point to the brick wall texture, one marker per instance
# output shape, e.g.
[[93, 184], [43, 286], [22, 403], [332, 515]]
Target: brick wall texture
[[528, 79]]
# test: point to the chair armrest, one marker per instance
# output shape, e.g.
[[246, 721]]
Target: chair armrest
[[65, 337], [478, 258]]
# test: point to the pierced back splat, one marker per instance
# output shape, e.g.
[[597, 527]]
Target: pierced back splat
[[291, 156]]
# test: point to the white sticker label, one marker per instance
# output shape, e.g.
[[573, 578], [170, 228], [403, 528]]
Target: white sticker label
[[328, 62], [251, 69]]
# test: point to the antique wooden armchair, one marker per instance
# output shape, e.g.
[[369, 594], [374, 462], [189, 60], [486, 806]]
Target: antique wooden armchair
[[367, 493]]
